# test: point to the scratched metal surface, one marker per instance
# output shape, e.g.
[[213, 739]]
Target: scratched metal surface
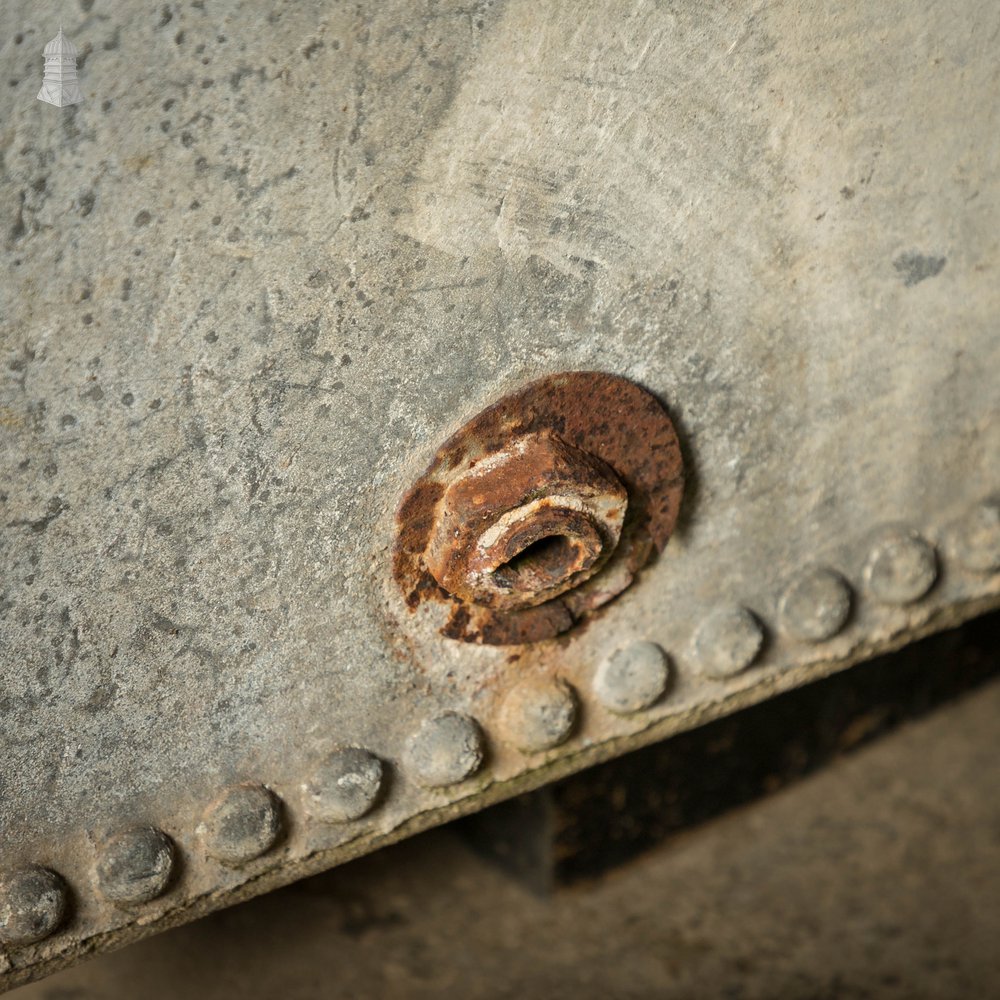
[[282, 251]]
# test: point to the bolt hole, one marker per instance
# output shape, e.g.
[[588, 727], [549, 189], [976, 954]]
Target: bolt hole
[[540, 565]]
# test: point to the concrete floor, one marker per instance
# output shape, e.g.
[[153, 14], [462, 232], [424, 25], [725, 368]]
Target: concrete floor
[[878, 877]]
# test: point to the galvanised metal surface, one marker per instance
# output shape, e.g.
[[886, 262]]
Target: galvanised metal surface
[[280, 253]]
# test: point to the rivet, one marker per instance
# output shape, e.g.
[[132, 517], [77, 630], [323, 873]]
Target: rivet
[[243, 823], [728, 641], [633, 678], [33, 903], [815, 605], [538, 714], [445, 750], [975, 538], [135, 866], [901, 566], [344, 786]]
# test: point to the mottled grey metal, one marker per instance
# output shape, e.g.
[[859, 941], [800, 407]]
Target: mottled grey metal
[[281, 251]]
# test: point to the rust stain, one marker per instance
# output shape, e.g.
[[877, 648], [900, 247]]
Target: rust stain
[[138, 163], [593, 428], [415, 518]]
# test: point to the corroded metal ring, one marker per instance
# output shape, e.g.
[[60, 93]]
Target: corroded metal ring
[[541, 509]]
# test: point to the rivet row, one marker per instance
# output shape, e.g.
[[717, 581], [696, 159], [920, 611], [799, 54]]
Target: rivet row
[[536, 715]]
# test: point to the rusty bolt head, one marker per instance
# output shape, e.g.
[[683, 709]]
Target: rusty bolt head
[[520, 526]]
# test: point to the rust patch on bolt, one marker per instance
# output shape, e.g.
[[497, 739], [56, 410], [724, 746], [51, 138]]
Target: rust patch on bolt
[[522, 525], [541, 509]]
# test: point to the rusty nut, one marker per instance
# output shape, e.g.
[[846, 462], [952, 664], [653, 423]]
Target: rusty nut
[[520, 526]]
